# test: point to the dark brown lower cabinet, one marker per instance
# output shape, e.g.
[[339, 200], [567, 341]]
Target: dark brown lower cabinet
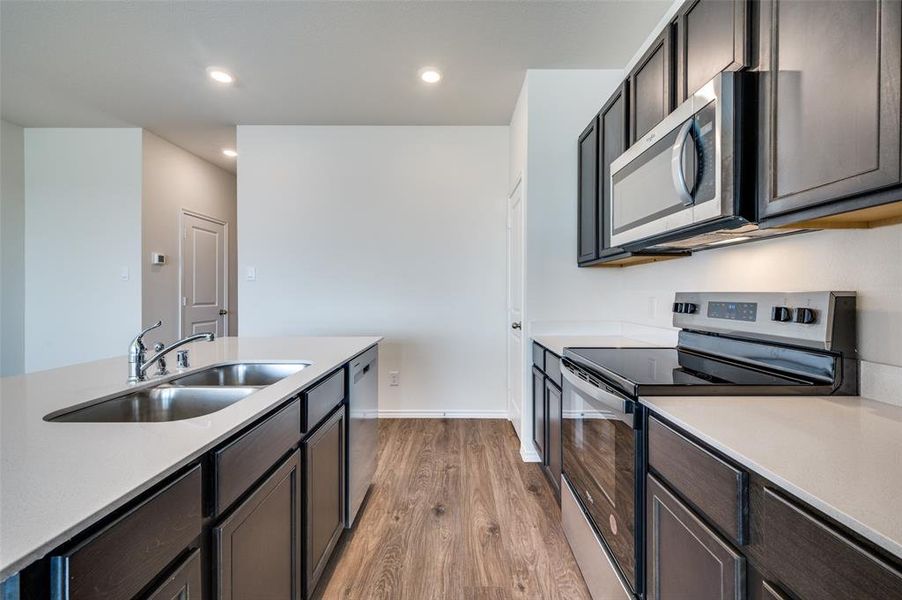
[[812, 560], [538, 412], [125, 556], [687, 559], [324, 485], [553, 414], [256, 546], [184, 583]]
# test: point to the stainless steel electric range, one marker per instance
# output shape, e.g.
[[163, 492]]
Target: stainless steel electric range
[[730, 344]]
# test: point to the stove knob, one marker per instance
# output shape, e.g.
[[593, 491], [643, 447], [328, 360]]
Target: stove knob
[[806, 316], [781, 313], [689, 308], [677, 307]]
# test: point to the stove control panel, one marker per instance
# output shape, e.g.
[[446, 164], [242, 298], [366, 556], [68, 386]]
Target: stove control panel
[[814, 319], [733, 311]]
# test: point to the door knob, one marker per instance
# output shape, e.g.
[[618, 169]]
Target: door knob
[[223, 311], [515, 325]]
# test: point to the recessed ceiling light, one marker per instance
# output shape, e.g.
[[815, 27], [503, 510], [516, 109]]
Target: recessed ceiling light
[[430, 75], [229, 152], [220, 75]]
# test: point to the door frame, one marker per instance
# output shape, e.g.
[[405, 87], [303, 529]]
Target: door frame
[[518, 187], [185, 212]]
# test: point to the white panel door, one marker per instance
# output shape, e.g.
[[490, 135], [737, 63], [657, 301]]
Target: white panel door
[[204, 282], [515, 309]]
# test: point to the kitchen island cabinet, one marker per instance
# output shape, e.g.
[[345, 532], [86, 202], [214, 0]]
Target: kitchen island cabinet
[[228, 521]]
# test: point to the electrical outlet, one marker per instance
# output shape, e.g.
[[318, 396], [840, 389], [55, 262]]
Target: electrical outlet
[[394, 378], [252, 273]]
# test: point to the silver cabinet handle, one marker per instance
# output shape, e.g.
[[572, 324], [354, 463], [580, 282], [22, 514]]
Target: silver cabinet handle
[[676, 164], [516, 325]]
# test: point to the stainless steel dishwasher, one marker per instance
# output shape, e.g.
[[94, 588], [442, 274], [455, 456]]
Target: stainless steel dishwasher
[[363, 429]]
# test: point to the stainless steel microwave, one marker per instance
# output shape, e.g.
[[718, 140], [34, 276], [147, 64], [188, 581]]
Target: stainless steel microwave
[[691, 175]]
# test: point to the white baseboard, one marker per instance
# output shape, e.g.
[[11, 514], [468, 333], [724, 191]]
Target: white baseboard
[[443, 414], [529, 455]]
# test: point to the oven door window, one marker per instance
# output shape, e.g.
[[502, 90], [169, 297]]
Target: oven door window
[[599, 461]]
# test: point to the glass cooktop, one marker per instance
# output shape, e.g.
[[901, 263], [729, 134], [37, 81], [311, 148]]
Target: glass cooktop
[[666, 370]]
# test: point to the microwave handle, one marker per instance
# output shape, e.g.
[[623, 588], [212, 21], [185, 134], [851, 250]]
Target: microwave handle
[[676, 164]]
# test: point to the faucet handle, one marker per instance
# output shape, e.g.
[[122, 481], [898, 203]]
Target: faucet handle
[[181, 358], [139, 339]]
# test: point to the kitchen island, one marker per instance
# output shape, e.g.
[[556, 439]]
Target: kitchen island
[[60, 481]]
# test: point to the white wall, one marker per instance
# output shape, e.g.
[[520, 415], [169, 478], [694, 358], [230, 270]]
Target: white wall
[[560, 105], [553, 108], [174, 179], [12, 249], [395, 231], [82, 232], [863, 260]]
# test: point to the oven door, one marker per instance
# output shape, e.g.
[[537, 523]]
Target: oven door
[[678, 175], [600, 443]]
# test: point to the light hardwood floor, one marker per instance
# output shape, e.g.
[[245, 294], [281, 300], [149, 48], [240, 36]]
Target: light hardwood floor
[[454, 513]]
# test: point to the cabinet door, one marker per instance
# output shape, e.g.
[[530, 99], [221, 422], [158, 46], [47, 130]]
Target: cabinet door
[[830, 110], [651, 83], [686, 559], [712, 36], [184, 583], [553, 406], [538, 413], [612, 136], [324, 477], [587, 193], [812, 559], [257, 545]]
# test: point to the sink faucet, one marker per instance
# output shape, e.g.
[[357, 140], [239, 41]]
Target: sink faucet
[[138, 365]]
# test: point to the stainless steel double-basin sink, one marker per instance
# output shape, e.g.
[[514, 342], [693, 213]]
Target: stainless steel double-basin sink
[[192, 395]]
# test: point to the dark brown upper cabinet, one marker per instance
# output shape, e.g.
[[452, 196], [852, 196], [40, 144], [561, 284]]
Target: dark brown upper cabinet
[[829, 106], [612, 141], [587, 194], [711, 36], [651, 86]]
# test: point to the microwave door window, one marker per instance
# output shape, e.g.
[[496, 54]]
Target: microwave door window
[[644, 190]]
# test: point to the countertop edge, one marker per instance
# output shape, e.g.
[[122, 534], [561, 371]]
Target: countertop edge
[[16, 565], [877, 538]]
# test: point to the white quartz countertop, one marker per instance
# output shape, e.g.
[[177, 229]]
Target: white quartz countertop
[[56, 479], [557, 343], [842, 455]]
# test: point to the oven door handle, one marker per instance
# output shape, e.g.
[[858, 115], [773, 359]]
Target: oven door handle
[[620, 408]]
